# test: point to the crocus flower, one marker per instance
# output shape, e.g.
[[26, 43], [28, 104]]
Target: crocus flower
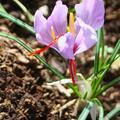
[[75, 38]]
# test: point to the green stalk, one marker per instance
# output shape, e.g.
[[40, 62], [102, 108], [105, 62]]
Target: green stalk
[[24, 9], [112, 113], [86, 111], [17, 21]]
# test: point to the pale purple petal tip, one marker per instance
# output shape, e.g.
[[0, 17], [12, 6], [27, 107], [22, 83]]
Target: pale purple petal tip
[[58, 18], [39, 21], [86, 37], [91, 12]]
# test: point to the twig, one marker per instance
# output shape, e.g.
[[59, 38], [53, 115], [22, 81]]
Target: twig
[[68, 104]]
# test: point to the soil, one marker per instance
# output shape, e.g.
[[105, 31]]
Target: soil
[[24, 94]]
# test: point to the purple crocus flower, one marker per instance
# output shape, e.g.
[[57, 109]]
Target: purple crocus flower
[[78, 37]]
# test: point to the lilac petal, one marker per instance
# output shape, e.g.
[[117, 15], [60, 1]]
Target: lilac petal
[[65, 46], [46, 39], [43, 32], [58, 18], [86, 37], [40, 26], [91, 12], [39, 21], [77, 27]]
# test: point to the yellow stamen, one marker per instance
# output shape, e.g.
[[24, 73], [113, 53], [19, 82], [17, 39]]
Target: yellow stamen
[[68, 29], [71, 23], [53, 33]]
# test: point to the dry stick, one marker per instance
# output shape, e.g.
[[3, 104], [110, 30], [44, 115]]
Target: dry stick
[[68, 104]]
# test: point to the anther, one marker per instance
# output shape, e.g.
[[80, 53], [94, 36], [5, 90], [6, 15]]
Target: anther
[[53, 34], [71, 23]]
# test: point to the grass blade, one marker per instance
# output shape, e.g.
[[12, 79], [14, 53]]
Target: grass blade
[[100, 108], [17, 21], [2, 8], [25, 10], [86, 111], [108, 85], [112, 113], [114, 53], [102, 49], [100, 43]]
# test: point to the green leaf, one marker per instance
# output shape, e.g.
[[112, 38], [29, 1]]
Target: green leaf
[[25, 10], [108, 85], [17, 21], [2, 8], [100, 44], [100, 108], [112, 113], [86, 111], [114, 53]]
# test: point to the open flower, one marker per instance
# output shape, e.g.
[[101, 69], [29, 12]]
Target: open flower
[[75, 38]]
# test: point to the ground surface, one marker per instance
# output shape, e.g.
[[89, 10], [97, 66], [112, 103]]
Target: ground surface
[[23, 93]]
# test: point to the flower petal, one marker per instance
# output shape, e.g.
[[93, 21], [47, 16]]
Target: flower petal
[[91, 12], [40, 26], [39, 21], [86, 37], [65, 46], [58, 18]]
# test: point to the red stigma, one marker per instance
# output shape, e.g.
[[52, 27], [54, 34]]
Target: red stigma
[[72, 69], [47, 47]]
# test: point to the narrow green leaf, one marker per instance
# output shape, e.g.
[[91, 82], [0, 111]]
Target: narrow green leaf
[[112, 113], [108, 85], [100, 108], [114, 53], [97, 82], [99, 49], [102, 49], [86, 111], [25, 10], [101, 113], [17, 21], [2, 8]]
